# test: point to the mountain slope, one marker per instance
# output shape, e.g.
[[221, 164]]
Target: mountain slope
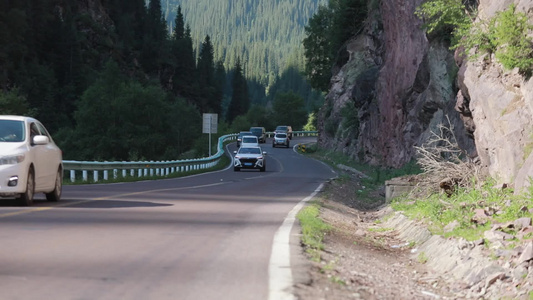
[[263, 33]]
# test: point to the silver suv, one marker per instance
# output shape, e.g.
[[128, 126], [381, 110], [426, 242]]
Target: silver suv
[[260, 133], [281, 139], [284, 129]]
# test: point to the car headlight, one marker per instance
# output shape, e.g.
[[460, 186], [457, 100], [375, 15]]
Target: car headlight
[[12, 159]]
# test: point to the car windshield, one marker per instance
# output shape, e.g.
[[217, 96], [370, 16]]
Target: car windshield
[[249, 140], [256, 130], [284, 128], [281, 135], [243, 133], [11, 131], [250, 151]]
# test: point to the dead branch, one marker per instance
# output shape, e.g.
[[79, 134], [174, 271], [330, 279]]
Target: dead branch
[[445, 165]]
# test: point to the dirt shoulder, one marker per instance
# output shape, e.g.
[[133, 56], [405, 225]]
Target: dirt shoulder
[[363, 260], [366, 256]]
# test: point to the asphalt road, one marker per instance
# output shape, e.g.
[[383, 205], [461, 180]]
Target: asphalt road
[[208, 236]]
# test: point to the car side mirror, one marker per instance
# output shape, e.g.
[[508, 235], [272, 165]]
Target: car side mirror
[[40, 140], [234, 152], [264, 153]]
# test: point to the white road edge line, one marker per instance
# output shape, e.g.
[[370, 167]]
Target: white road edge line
[[280, 282]]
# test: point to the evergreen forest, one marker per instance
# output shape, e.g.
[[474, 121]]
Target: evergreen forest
[[130, 79], [267, 35]]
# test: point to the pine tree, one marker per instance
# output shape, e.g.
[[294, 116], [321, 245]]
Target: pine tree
[[179, 26], [220, 82], [154, 50], [318, 49], [129, 17], [206, 67], [240, 101], [206, 76]]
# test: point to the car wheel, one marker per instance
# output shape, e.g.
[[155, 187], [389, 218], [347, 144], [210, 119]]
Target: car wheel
[[236, 169], [262, 169], [273, 146], [26, 198], [55, 195]]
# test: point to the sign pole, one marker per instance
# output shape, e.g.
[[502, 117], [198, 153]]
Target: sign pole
[[209, 125], [210, 120]]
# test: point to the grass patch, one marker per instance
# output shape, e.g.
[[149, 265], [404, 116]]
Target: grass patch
[[313, 229], [337, 280], [376, 175], [422, 258], [439, 210]]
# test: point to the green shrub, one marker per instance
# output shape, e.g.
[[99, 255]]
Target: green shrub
[[509, 34], [505, 35]]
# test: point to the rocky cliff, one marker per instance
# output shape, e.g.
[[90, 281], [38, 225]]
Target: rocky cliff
[[397, 86]]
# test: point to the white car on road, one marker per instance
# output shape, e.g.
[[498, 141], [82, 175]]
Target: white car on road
[[30, 161], [249, 141], [249, 158]]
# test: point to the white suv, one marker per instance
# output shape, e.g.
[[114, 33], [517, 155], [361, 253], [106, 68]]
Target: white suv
[[30, 161], [249, 141]]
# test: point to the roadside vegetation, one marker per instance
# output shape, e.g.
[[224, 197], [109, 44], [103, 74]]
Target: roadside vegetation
[[450, 194], [313, 229], [505, 35]]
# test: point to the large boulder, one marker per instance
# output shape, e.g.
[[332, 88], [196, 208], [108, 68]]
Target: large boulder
[[501, 106]]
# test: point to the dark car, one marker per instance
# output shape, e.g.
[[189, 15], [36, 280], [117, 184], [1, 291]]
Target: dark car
[[241, 134], [260, 133], [249, 158], [284, 129]]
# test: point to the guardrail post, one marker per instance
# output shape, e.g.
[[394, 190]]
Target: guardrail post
[[124, 172], [72, 175], [140, 173], [95, 176], [106, 175], [85, 175]]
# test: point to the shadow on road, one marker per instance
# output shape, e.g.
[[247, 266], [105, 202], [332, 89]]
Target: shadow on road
[[78, 203]]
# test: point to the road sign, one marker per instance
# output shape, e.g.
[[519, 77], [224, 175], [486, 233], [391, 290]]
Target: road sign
[[210, 123]]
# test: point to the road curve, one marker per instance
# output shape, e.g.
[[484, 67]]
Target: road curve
[[208, 236]]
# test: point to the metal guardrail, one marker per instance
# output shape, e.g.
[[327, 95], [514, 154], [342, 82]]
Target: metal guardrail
[[141, 169]]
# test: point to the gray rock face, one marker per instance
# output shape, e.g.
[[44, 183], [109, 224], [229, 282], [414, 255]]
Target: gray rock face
[[501, 105], [496, 272], [400, 87]]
